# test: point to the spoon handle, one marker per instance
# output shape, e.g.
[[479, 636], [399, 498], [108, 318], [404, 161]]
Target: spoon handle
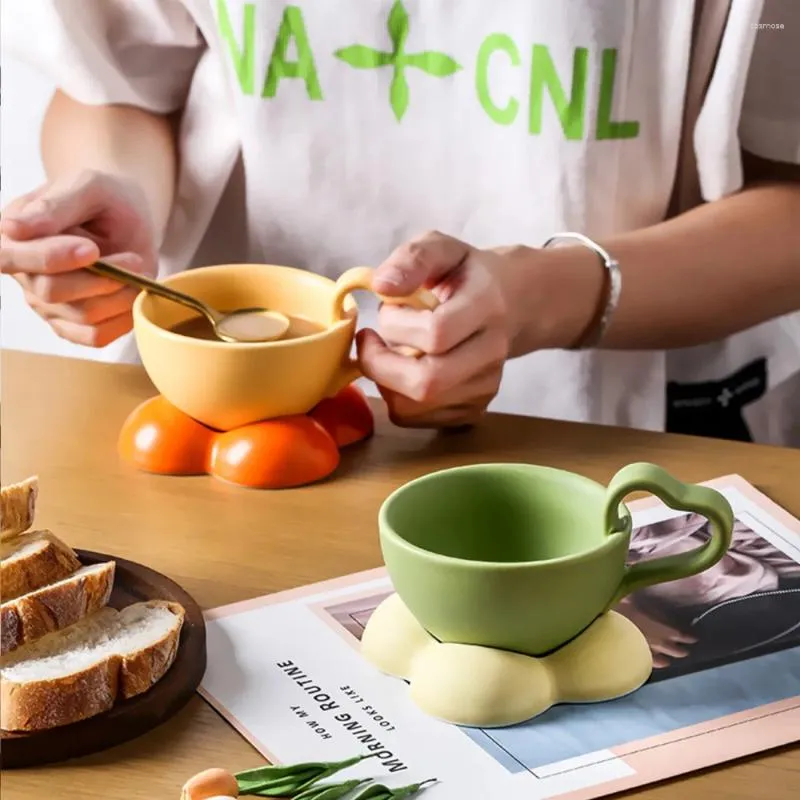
[[147, 284]]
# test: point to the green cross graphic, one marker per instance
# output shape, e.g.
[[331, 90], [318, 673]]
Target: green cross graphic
[[362, 57]]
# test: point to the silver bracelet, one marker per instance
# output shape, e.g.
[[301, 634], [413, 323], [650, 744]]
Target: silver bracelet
[[594, 336]]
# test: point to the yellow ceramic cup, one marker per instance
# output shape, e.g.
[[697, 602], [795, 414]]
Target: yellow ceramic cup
[[228, 385]]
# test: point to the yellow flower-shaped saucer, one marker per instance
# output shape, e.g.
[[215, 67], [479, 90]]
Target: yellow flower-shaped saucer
[[483, 687]]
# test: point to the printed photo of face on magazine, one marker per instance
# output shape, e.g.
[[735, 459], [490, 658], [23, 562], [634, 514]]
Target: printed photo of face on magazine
[[746, 605]]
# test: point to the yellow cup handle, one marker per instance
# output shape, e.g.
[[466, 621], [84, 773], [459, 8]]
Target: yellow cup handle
[[360, 279]]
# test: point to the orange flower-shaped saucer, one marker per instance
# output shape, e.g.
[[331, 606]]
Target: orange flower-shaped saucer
[[273, 454]]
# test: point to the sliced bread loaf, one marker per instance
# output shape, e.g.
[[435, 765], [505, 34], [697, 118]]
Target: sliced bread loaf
[[18, 507], [84, 670], [52, 608], [33, 560]]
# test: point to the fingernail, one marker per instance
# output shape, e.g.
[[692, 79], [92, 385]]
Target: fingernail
[[85, 251], [131, 262], [390, 277], [29, 213], [388, 280], [11, 225]]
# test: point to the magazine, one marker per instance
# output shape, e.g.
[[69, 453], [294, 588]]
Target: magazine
[[286, 672]]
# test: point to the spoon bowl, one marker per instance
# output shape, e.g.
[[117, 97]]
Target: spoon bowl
[[243, 325], [251, 325]]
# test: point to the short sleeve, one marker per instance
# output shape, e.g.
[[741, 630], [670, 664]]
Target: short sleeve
[[770, 121], [133, 52]]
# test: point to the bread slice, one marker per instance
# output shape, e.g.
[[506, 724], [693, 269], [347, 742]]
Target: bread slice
[[18, 507], [51, 608], [32, 560], [84, 670]]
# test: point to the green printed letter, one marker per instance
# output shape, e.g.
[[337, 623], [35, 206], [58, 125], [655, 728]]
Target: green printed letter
[[243, 58], [497, 41], [543, 75], [606, 129], [292, 27]]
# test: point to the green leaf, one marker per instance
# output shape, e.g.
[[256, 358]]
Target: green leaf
[[375, 792], [380, 792], [398, 94], [437, 64], [272, 771], [409, 791], [277, 792], [330, 791], [279, 787], [362, 57], [288, 780], [398, 26], [285, 780]]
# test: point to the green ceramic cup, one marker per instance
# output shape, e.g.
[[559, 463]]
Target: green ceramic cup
[[524, 558]]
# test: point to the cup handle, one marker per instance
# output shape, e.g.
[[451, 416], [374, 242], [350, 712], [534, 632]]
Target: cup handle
[[360, 278], [681, 496]]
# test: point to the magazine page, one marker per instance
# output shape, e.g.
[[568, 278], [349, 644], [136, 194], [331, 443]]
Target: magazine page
[[285, 670]]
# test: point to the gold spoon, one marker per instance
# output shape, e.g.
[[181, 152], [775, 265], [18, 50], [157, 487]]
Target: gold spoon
[[241, 325]]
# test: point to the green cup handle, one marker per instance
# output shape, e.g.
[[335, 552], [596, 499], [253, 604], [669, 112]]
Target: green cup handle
[[685, 497]]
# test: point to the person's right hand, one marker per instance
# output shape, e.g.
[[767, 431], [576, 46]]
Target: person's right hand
[[50, 234]]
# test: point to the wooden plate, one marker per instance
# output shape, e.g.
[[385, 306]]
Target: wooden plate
[[133, 583]]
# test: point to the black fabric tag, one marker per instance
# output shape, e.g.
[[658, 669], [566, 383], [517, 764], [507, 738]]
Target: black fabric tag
[[714, 408]]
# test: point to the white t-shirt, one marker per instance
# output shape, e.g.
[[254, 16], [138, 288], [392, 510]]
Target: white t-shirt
[[322, 135]]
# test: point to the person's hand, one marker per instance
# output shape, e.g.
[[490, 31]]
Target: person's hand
[[494, 304], [666, 642], [464, 342], [49, 234]]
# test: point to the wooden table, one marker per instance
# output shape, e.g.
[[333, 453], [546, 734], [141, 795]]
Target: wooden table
[[60, 420]]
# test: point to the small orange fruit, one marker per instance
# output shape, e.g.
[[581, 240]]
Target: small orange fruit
[[347, 416], [210, 784], [157, 437], [274, 454]]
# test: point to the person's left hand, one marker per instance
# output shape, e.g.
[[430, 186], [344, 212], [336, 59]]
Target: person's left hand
[[494, 304], [464, 342]]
